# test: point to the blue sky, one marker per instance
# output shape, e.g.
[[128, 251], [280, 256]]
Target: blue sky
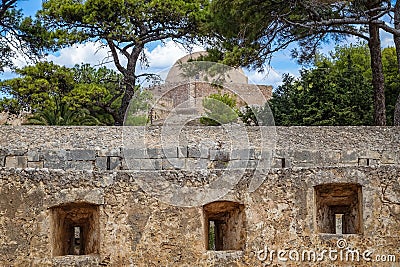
[[162, 56]]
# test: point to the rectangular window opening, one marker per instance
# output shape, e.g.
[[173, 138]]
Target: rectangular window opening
[[75, 229], [283, 162], [224, 222], [339, 208]]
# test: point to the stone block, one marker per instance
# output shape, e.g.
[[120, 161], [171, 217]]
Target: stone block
[[154, 153], [304, 156], [131, 164], [169, 152], [134, 153], [220, 155], [114, 163], [373, 154], [388, 157], [35, 164], [101, 163], [145, 164], [368, 162], [264, 155], [57, 165], [54, 155], [278, 163], [79, 165], [330, 158], [238, 164], [350, 156], [112, 152], [193, 152], [182, 152], [242, 154], [16, 162], [33, 155], [197, 164], [281, 153], [76, 155], [141, 164], [204, 152], [173, 164], [158, 164]]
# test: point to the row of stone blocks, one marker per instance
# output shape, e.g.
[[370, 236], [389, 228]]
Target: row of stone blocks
[[61, 159], [189, 158]]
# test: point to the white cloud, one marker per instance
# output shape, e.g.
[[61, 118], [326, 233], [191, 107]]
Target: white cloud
[[92, 53], [165, 55], [386, 39], [269, 77], [161, 57]]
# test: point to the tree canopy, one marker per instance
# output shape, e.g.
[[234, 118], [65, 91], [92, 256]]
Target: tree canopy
[[336, 91], [125, 27], [19, 34], [48, 87], [264, 27]]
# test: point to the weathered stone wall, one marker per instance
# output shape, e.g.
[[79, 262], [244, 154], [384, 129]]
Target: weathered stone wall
[[136, 229], [101, 148]]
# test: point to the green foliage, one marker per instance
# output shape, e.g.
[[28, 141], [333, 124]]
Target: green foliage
[[257, 116], [40, 88], [337, 91], [248, 33], [62, 115], [25, 35], [211, 236], [138, 111], [248, 116], [138, 120], [219, 109], [392, 81]]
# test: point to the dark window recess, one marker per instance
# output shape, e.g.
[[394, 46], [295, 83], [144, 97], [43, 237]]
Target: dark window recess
[[339, 208], [283, 162], [75, 229], [108, 163], [225, 225]]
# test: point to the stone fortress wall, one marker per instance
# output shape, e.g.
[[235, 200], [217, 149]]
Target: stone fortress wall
[[69, 198]]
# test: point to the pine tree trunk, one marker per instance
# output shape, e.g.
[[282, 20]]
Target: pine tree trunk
[[377, 76], [126, 99]]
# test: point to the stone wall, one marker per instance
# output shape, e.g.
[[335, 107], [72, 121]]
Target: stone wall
[[136, 229], [102, 148], [284, 220]]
